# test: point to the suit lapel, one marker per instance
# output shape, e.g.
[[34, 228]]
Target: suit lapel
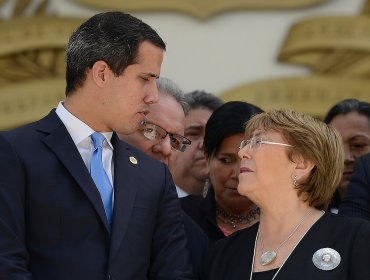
[[126, 174], [61, 143]]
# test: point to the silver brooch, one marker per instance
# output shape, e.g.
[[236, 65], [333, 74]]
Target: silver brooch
[[133, 160], [326, 259]]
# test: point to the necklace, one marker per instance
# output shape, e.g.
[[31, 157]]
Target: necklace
[[235, 219], [255, 246], [268, 257]]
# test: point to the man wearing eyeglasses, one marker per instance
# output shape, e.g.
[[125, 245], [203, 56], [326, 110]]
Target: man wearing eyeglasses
[[161, 136], [190, 170]]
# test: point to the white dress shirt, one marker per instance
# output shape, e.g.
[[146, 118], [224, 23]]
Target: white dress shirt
[[181, 192], [80, 133]]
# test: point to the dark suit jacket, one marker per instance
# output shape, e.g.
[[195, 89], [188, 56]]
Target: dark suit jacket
[[231, 258], [52, 220], [357, 201], [203, 212], [197, 244]]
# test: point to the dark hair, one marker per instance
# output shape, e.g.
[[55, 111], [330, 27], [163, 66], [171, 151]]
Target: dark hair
[[113, 37], [227, 120], [201, 99], [347, 106]]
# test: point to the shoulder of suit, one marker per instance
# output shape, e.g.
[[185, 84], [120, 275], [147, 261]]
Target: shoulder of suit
[[345, 221]]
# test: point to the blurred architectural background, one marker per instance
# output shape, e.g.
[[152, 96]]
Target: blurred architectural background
[[305, 55]]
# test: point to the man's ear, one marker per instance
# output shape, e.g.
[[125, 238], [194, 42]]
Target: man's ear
[[100, 72]]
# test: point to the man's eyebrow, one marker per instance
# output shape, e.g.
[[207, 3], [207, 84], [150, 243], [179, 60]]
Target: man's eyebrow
[[194, 127], [151, 74]]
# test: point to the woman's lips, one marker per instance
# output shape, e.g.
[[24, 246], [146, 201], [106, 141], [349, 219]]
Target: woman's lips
[[347, 174], [244, 169]]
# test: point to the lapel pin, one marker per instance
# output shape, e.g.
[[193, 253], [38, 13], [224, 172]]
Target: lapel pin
[[326, 259], [133, 160]]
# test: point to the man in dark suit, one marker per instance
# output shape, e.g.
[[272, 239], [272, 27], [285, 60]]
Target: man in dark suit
[[357, 201], [55, 221]]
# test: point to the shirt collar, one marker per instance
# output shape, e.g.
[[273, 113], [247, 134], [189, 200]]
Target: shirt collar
[[78, 130], [180, 192]]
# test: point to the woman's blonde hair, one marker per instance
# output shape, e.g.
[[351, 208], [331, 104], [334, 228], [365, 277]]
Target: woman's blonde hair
[[313, 140]]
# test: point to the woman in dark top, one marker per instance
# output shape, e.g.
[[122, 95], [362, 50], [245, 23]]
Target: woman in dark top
[[223, 211], [351, 118], [290, 167]]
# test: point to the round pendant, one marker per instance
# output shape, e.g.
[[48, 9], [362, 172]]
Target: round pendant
[[267, 257]]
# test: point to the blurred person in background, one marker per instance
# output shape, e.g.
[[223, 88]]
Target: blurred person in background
[[223, 210], [351, 118], [190, 169], [357, 201], [161, 135]]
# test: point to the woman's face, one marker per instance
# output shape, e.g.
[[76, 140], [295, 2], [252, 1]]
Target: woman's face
[[265, 169], [355, 131], [224, 171]]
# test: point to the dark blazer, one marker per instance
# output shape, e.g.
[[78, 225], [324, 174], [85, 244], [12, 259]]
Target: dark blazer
[[197, 245], [231, 258], [52, 220], [357, 201], [203, 212]]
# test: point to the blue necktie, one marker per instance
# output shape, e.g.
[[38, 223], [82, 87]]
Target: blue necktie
[[99, 176]]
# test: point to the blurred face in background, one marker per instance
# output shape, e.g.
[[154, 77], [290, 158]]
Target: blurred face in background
[[169, 115], [224, 168], [190, 170], [355, 131]]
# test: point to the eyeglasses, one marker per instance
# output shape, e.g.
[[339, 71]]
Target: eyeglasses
[[255, 143], [152, 131]]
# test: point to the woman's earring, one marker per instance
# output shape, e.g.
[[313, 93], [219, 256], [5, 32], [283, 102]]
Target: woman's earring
[[295, 183], [206, 187]]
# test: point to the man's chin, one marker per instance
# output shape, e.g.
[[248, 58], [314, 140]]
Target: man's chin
[[201, 176]]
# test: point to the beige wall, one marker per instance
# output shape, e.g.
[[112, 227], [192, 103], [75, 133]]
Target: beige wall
[[233, 54], [223, 51]]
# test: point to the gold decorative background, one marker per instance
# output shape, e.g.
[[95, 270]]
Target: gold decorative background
[[336, 49], [32, 59], [312, 94], [201, 9]]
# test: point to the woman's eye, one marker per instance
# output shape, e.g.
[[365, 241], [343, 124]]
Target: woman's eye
[[359, 145], [225, 160]]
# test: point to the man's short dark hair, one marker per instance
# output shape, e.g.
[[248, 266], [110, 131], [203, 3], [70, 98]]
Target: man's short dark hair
[[112, 37], [201, 99]]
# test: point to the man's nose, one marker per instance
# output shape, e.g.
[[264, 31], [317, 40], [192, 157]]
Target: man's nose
[[152, 95], [163, 147]]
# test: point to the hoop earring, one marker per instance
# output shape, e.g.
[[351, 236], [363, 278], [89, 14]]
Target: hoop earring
[[206, 186]]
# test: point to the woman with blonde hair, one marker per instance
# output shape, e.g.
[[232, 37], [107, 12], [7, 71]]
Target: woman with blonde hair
[[290, 166]]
